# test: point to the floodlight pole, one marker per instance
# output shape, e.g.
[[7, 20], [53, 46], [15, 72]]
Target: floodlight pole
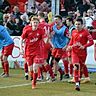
[[55, 7]]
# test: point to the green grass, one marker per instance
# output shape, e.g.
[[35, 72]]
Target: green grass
[[43, 89]]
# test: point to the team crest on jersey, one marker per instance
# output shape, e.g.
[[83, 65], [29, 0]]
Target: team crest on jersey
[[80, 35], [37, 34]]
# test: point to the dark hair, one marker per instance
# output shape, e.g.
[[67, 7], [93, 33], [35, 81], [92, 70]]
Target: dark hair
[[70, 19], [58, 16], [79, 20]]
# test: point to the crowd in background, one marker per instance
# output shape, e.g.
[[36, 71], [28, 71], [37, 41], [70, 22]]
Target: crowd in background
[[15, 17]]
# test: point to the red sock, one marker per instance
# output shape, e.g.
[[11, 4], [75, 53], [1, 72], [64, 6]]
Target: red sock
[[3, 67], [43, 68], [71, 69], [76, 75], [6, 67], [85, 71], [31, 74], [25, 67], [49, 69], [2, 62], [65, 62], [34, 78], [39, 72], [81, 73]]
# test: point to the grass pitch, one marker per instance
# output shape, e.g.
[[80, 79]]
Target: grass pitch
[[16, 85]]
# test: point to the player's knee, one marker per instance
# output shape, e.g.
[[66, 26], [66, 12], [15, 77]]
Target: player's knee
[[30, 68], [4, 61], [4, 58], [35, 68]]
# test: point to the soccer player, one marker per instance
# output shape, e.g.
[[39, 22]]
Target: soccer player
[[23, 52], [59, 41], [78, 46], [47, 45], [70, 24], [34, 38], [7, 47]]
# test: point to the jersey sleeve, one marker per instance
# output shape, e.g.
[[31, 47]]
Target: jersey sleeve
[[66, 33], [90, 39], [24, 33]]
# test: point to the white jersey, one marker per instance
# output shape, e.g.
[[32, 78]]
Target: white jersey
[[88, 21]]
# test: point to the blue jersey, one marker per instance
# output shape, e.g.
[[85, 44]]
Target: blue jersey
[[5, 38], [58, 39]]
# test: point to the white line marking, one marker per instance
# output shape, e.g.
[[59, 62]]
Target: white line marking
[[19, 85], [15, 85]]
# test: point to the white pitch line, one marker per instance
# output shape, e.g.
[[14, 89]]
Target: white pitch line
[[20, 85], [15, 85]]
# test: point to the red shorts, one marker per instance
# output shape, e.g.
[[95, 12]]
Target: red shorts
[[76, 58], [34, 59], [59, 53], [7, 50], [46, 50]]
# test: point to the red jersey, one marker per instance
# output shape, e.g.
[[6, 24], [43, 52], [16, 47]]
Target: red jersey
[[44, 26], [81, 37], [47, 46], [24, 45], [33, 40]]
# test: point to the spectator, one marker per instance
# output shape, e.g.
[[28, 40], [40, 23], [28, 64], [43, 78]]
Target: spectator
[[1, 17], [11, 25], [93, 31], [88, 19], [18, 27], [5, 6], [16, 13], [5, 19], [83, 5], [24, 20]]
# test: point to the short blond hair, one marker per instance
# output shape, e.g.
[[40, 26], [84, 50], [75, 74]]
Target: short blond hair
[[34, 18]]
